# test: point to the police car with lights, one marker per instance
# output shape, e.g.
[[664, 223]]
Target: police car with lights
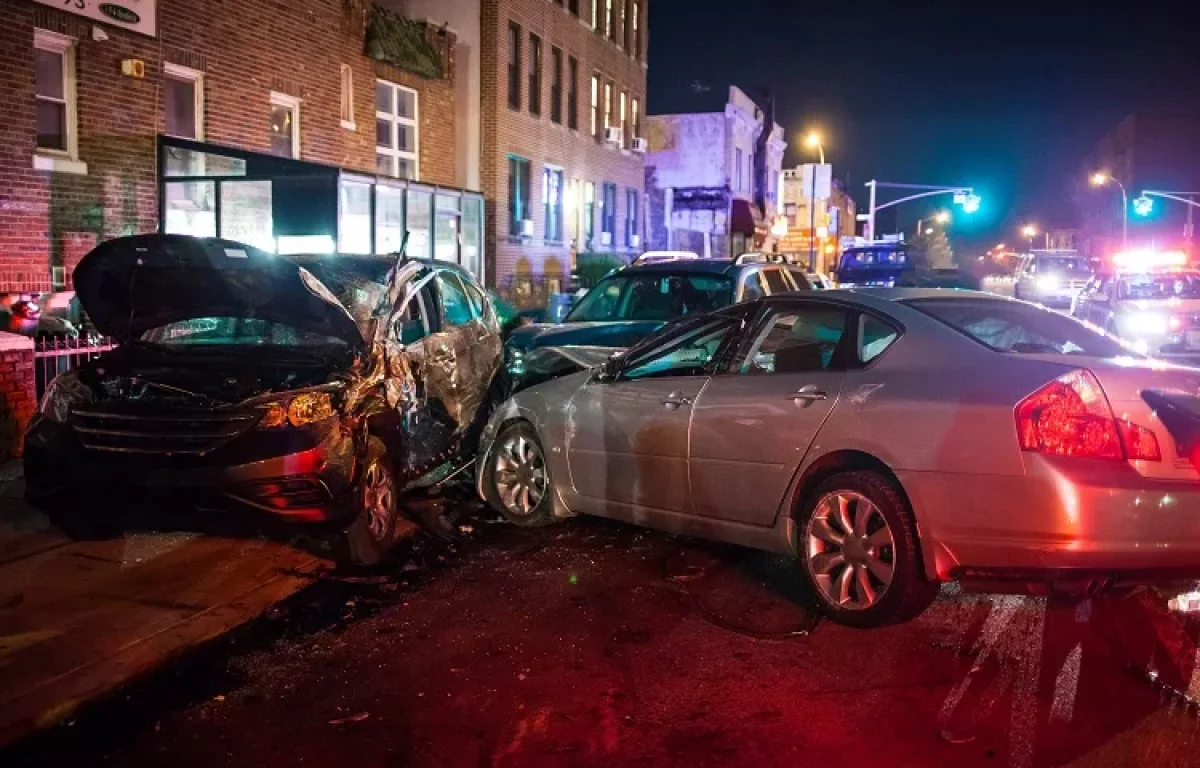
[[1150, 299]]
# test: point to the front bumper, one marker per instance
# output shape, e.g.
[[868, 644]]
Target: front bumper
[[301, 477], [1063, 520]]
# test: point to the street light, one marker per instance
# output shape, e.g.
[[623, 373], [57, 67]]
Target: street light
[[813, 140], [1030, 232], [964, 196], [1100, 179], [941, 217]]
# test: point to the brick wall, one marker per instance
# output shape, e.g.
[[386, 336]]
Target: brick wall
[[18, 401], [516, 260], [246, 49]]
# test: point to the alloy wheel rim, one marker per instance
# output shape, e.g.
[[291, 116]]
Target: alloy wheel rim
[[849, 551], [379, 500], [520, 472]]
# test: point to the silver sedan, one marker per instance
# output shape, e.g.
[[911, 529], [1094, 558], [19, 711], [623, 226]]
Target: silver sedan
[[891, 440]]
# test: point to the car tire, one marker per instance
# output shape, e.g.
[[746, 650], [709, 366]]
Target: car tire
[[517, 479], [873, 576], [80, 523], [371, 534]]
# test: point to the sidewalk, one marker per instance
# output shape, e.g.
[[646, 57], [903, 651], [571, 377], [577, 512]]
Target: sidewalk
[[78, 619]]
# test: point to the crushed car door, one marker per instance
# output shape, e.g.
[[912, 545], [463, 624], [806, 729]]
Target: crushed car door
[[754, 422], [482, 336]]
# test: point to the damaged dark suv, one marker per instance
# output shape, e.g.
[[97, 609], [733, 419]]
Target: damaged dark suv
[[320, 390]]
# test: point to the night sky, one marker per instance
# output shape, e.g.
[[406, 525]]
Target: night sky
[[1007, 97]]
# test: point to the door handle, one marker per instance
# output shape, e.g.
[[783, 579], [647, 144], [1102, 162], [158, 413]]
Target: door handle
[[674, 400], [808, 394]]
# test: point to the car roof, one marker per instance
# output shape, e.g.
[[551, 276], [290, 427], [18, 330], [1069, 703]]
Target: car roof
[[684, 266]]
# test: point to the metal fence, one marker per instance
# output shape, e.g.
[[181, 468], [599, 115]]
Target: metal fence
[[52, 356]]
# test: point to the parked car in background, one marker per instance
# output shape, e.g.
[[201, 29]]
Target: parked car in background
[[1009, 447], [819, 281], [1051, 278], [632, 302], [317, 395]]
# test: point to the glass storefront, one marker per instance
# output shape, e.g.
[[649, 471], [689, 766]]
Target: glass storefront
[[283, 205]]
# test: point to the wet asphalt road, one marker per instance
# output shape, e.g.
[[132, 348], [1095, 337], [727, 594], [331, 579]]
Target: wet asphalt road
[[592, 643]]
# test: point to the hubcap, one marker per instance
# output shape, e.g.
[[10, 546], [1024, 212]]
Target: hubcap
[[520, 472], [378, 494], [849, 551]]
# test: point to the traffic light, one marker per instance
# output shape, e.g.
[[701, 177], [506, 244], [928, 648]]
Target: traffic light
[[1143, 205]]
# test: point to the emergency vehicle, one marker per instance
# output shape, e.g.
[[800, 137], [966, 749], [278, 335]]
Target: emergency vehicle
[[1151, 299]]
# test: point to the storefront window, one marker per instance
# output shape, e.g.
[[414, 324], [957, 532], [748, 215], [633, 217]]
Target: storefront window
[[472, 228], [191, 208], [389, 219], [420, 223], [188, 162], [246, 213], [354, 217], [445, 245]]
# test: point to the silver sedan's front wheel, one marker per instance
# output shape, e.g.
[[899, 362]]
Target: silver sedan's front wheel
[[859, 549], [850, 550], [518, 478]]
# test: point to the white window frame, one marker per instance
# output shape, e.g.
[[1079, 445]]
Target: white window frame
[[394, 152], [347, 101], [63, 161], [196, 77], [293, 102], [622, 101]]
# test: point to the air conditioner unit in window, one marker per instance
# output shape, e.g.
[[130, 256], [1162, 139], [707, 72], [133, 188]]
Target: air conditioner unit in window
[[612, 135], [527, 227], [639, 144], [606, 238]]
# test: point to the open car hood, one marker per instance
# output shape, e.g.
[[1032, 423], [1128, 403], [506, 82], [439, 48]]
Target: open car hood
[[132, 284]]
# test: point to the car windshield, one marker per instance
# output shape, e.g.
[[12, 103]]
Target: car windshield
[[1180, 285], [236, 332], [652, 296], [1073, 265], [1019, 328]]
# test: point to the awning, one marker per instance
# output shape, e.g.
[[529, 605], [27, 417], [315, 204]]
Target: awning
[[746, 218]]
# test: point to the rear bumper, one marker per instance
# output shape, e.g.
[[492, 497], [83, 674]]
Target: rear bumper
[[310, 484], [1062, 521]]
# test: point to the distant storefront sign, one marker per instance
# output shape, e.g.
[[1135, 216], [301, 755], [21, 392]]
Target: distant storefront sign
[[135, 15]]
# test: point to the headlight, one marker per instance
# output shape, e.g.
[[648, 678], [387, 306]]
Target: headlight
[[303, 409], [514, 360], [1146, 323], [62, 393], [1047, 282]]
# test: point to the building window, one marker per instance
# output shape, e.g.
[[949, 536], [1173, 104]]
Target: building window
[[397, 134], [596, 106], [54, 67], [589, 213], [737, 175], [552, 195], [535, 75], [608, 90], [347, 107], [183, 97], [573, 7], [595, 14], [556, 75], [637, 28], [608, 19], [514, 65], [635, 107], [621, 118], [627, 26], [631, 218], [572, 93], [518, 195], [285, 125], [608, 213]]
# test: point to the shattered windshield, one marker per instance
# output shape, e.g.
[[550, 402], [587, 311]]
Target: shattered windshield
[[1008, 326], [652, 297], [236, 331]]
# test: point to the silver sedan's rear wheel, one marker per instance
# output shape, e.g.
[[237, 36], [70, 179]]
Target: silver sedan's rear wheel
[[850, 550], [859, 548], [517, 484]]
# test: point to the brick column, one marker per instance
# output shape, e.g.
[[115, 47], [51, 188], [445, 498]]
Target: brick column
[[18, 399]]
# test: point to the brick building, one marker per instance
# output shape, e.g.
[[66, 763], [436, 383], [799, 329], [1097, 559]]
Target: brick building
[[1148, 150], [289, 125], [317, 126], [563, 94]]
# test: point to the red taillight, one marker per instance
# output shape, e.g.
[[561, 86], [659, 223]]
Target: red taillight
[[1070, 416]]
